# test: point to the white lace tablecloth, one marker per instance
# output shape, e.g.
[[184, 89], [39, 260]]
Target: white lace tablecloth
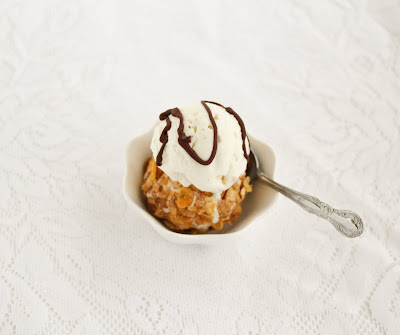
[[317, 80]]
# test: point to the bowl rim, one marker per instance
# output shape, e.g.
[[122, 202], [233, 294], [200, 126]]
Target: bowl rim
[[172, 235]]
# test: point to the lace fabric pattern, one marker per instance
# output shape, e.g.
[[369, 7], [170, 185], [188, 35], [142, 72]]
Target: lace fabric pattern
[[319, 81]]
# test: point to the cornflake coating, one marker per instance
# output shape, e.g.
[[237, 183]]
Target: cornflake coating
[[187, 209]]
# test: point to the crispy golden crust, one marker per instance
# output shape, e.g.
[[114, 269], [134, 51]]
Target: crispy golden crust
[[187, 209]]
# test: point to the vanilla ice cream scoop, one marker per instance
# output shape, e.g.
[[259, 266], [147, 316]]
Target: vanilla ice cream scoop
[[204, 144]]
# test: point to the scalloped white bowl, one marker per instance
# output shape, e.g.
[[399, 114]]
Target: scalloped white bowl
[[256, 203]]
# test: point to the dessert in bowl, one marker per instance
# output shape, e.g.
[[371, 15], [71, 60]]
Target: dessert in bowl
[[196, 179], [194, 185]]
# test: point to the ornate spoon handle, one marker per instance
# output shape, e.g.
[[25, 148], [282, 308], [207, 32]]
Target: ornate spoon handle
[[346, 222]]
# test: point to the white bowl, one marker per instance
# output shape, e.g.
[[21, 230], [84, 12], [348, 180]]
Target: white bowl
[[257, 202]]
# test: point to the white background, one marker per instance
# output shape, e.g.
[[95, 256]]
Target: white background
[[317, 80]]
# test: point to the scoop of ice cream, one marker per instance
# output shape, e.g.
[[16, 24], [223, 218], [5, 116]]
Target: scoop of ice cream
[[178, 149]]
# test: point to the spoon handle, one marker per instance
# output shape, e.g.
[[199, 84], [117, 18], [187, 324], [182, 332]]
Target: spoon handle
[[346, 222]]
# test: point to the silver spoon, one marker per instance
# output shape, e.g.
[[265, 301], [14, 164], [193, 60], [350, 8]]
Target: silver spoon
[[346, 222]]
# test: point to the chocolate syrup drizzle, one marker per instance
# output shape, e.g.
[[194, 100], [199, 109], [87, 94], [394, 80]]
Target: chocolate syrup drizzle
[[184, 140]]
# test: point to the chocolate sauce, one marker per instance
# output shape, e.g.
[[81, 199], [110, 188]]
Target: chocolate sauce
[[241, 124], [164, 135], [184, 140]]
